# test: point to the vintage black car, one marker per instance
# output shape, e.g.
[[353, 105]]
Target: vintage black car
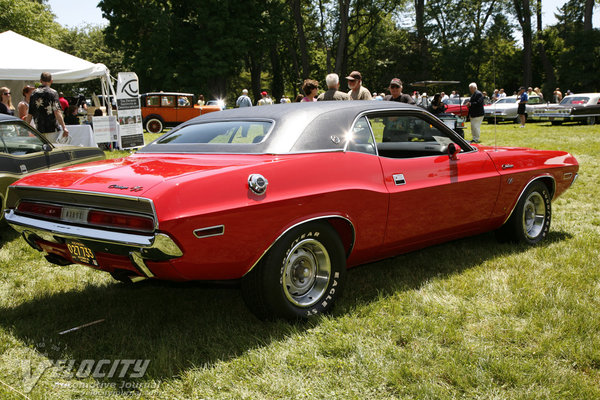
[[583, 107], [23, 150]]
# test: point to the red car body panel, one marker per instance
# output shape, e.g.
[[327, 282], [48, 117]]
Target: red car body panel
[[376, 218]]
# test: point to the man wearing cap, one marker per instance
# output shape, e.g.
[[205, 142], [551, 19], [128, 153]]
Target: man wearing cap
[[357, 90], [265, 100], [332, 93], [244, 100], [396, 93]]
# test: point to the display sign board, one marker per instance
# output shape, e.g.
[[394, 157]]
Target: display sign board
[[105, 129], [128, 111]]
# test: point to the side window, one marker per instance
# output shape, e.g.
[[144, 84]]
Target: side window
[[167, 101], [184, 101], [153, 101], [16, 139], [361, 139], [408, 136]]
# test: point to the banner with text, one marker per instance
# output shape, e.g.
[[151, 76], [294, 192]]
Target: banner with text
[[105, 129], [128, 111]]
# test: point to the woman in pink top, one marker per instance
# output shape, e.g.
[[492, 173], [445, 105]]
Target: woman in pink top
[[311, 90]]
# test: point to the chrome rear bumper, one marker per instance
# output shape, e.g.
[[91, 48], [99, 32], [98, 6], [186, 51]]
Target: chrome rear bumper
[[139, 247]]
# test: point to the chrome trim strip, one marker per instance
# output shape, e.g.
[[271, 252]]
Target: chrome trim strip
[[198, 232], [574, 179], [46, 230], [138, 262], [303, 222], [525, 188]]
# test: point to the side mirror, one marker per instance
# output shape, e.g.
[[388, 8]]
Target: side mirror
[[453, 151], [46, 147]]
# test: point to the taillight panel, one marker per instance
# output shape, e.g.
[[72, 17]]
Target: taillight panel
[[85, 216]]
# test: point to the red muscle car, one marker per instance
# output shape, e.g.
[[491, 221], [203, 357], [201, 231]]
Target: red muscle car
[[286, 198]]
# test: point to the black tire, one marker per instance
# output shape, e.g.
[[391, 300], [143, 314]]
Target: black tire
[[556, 122], [154, 124], [301, 276], [530, 220], [590, 120]]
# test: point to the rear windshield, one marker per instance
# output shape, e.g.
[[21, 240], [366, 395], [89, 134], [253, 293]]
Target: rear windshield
[[219, 132], [575, 100]]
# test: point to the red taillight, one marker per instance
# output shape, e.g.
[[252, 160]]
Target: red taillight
[[42, 210], [123, 221], [84, 216]]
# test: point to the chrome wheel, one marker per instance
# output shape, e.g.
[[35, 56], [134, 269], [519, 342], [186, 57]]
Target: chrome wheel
[[534, 215], [306, 272]]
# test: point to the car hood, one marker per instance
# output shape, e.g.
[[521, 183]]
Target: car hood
[[137, 174]]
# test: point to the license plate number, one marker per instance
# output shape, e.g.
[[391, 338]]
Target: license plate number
[[80, 253], [74, 214]]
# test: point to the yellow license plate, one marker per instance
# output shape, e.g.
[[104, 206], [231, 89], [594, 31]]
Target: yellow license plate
[[80, 253]]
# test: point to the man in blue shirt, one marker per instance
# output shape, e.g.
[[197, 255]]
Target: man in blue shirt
[[522, 99]]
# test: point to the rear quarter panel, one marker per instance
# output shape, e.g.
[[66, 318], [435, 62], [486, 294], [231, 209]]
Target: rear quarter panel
[[301, 187], [528, 164]]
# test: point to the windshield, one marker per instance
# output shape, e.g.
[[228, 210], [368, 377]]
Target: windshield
[[219, 132], [507, 100], [575, 100]]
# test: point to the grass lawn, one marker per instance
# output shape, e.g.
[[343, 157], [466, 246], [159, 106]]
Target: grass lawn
[[468, 319]]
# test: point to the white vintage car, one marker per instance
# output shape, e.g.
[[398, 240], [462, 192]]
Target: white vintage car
[[505, 109]]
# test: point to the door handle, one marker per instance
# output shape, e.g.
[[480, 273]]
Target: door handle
[[507, 166]]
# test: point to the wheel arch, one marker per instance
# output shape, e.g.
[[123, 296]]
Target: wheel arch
[[341, 225], [548, 180]]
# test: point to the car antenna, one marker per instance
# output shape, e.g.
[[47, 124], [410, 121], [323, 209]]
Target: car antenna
[[495, 122]]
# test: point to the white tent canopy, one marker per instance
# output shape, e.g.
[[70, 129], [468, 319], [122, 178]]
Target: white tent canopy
[[24, 59]]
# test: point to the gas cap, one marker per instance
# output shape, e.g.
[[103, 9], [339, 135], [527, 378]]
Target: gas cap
[[258, 183]]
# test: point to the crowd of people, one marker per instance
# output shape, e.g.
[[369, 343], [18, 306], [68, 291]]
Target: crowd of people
[[45, 108], [436, 105]]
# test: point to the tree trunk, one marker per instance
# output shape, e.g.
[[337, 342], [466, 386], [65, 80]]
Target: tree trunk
[[277, 84], [587, 17], [342, 47], [254, 65], [297, 13], [523, 11], [421, 38], [550, 83]]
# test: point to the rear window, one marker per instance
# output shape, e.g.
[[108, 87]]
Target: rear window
[[219, 132], [575, 100]]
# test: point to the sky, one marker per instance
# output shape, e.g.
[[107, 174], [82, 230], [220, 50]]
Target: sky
[[86, 12]]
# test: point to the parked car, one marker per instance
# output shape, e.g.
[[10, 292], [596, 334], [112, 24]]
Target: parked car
[[220, 103], [457, 106], [169, 109], [506, 109], [23, 151], [286, 198], [584, 107]]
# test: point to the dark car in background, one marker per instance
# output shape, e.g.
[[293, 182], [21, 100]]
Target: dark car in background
[[583, 107], [23, 150]]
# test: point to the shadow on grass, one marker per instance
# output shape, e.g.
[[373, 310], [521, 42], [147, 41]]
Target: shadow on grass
[[7, 233], [181, 326]]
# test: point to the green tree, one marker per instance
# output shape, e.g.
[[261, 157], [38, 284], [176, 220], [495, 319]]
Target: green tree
[[88, 43], [30, 18]]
